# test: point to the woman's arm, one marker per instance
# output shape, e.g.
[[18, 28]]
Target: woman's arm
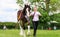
[[39, 14]]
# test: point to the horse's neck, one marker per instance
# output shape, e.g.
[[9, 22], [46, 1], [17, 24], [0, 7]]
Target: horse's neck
[[27, 13]]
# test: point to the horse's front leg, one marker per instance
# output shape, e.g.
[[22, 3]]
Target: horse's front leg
[[28, 22], [22, 27], [24, 30], [28, 33], [21, 31]]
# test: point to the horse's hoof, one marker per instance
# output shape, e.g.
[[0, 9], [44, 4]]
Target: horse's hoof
[[28, 33], [21, 34]]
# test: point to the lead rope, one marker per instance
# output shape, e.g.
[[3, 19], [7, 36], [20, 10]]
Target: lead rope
[[33, 14]]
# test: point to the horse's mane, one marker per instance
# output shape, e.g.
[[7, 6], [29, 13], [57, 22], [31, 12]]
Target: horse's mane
[[24, 10]]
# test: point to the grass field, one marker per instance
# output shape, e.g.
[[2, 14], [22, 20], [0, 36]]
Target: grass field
[[40, 33]]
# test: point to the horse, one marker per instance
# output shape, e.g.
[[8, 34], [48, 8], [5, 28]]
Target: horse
[[22, 20]]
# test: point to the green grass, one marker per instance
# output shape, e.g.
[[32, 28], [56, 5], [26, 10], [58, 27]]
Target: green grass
[[40, 33]]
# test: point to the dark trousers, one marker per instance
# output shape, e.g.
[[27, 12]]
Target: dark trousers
[[35, 25]]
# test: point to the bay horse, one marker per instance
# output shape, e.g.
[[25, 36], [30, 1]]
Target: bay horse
[[22, 19]]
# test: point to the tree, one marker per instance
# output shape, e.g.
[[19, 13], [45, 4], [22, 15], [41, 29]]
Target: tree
[[45, 6]]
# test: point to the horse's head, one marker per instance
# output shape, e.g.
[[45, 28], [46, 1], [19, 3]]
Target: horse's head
[[26, 10]]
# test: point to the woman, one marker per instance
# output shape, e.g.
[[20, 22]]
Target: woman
[[35, 20]]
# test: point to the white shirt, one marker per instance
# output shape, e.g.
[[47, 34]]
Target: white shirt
[[36, 16]]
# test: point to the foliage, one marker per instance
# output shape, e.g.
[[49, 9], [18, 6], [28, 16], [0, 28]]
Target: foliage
[[55, 4], [51, 5], [56, 17], [9, 25]]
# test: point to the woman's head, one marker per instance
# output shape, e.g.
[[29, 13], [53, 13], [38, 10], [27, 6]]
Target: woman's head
[[35, 8]]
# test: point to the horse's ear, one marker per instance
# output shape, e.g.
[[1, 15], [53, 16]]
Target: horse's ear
[[25, 5]]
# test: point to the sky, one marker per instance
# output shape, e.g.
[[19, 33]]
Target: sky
[[8, 10]]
